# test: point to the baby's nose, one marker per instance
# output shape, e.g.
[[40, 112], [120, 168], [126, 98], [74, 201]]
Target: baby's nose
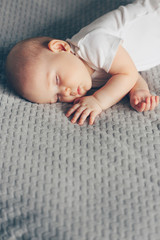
[[66, 91]]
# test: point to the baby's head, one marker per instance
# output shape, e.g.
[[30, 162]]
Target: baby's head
[[44, 70]]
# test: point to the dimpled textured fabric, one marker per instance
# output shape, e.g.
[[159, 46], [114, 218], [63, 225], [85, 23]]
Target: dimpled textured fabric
[[60, 181]]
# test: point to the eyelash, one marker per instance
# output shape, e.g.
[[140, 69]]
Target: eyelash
[[57, 80]]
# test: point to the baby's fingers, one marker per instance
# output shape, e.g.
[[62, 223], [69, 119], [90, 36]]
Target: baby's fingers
[[93, 115], [157, 100], [148, 103], [72, 110], [136, 100], [79, 111], [154, 102], [140, 107], [84, 115]]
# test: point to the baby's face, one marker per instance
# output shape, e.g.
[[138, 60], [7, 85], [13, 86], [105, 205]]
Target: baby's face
[[59, 76]]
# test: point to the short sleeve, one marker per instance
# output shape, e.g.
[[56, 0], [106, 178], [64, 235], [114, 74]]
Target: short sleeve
[[98, 49]]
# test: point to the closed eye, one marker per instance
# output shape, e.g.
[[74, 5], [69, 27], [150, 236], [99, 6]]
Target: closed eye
[[57, 80]]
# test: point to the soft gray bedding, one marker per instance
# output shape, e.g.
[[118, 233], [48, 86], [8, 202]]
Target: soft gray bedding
[[60, 181]]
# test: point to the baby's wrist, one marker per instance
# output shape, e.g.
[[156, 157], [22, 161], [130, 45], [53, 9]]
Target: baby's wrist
[[133, 90], [98, 101]]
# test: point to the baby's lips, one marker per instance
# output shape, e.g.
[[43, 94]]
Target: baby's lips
[[79, 91]]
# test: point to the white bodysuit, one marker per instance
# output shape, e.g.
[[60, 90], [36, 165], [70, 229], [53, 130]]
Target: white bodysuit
[[136, 26]]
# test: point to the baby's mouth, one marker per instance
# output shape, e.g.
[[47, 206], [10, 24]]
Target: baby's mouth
[[79, 91]]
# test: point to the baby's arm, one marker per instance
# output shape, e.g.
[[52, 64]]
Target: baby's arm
[[124, 77]]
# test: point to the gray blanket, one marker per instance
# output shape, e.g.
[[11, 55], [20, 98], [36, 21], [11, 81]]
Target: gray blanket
[[60, 181]]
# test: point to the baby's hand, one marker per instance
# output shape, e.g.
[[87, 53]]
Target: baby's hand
[[83, 107], [142, 100]]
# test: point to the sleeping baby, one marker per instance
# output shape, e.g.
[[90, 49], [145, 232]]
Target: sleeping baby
[[116, 46]]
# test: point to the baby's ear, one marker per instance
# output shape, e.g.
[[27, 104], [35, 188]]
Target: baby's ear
[[56, 46]]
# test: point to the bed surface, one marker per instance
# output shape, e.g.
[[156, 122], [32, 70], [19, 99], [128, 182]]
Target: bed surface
[[60, 181]]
